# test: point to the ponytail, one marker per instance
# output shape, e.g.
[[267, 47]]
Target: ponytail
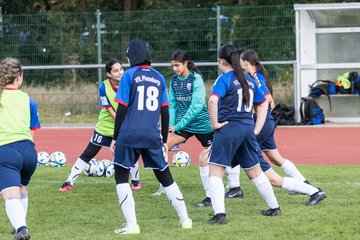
[[252, 57], [263, 71], [231, 56], [10, 69], [192, 67]]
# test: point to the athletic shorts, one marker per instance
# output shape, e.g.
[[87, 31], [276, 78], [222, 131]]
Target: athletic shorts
[[205, 139], [266, 136], [264, 165], [100, 140], [18, 162], [234, 144], [153, 158]]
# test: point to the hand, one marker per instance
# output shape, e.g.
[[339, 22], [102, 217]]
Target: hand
[[112, 146], [256, 132], [219, 125]]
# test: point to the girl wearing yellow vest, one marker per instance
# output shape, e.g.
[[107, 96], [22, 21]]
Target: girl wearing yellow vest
[[104, 129], [18, 158]]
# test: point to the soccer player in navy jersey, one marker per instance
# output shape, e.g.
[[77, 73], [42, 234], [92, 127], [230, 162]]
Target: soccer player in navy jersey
[[142, 99], [230, 106], [250, 62], [104, 130], [18, 158]]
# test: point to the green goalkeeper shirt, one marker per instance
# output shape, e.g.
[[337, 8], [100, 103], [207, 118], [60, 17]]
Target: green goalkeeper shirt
[[188, 110]]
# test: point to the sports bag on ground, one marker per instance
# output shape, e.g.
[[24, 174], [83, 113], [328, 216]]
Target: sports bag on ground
[[283, 114], [310, 111]]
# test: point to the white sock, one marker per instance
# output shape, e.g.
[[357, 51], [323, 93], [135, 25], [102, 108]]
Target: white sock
[[24, 201], [177, 201], [134, 172], [217, 193], [127, 204], [266, 191], [291, 170], [204, 174], [15, 212], [233, 176], [79, 166], [296, 185]]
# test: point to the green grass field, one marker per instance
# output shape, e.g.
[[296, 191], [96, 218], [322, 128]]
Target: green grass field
[[91, 210]]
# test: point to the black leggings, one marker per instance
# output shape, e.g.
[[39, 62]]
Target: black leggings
[[164, 177], [90, 152]]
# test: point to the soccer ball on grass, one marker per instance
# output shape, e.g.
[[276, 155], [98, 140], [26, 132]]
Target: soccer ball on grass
[[181, 159]]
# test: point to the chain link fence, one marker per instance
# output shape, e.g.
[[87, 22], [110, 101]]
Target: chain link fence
[[64, 53]]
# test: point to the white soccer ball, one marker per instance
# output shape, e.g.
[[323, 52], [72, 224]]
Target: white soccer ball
[[110, 171], [181, 159], [92, 167], [57, 159], [99, 169], [106, 163], [43, 158]]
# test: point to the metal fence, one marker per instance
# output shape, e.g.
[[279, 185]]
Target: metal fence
[[64, 53]]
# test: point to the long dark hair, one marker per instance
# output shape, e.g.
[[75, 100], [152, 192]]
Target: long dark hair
[[182, 56], [231, 56], [252, 57]]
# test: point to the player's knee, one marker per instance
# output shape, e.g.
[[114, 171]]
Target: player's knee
[[203, 157], [90, 152], [121, 174], [164, 177]]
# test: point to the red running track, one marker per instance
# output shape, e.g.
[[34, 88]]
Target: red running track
[[302, 145]]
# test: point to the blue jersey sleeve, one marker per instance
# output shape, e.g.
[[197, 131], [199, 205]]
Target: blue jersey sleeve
[[34, 116], [220, 87], [262, 83], [164, 96], [259, 96], [104, 101], [123, 93]]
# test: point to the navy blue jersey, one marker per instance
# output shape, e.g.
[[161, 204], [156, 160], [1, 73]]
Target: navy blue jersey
[[231, 107], [143, 90], [261, 82]]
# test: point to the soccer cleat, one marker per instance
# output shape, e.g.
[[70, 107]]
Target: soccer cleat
[[22, 234], [316, 198], [159, 192], [127, 230], [219, 218], [13, 231], [187, 224], [135, 184], [235, 192], [65, 187], [272, 212], [206, 202]]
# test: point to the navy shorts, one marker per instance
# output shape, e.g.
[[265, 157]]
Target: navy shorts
[[100, 140], [17, 164], [205, 139], [263, 163], [266, 136], [234, 144], [154, 158]]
